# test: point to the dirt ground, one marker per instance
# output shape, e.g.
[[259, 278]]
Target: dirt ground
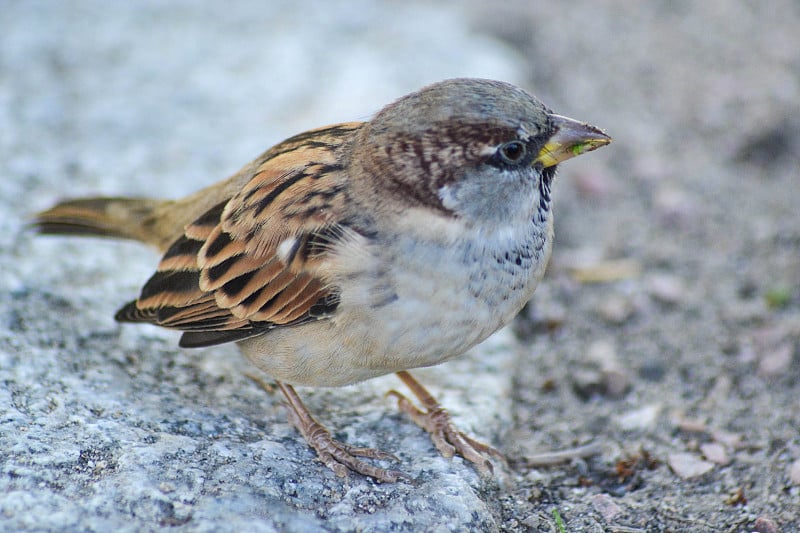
[[668, 327]]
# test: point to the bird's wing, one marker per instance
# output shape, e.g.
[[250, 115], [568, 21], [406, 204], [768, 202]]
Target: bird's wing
[[257, 260]]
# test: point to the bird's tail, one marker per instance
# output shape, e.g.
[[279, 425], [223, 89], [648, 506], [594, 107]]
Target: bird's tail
[[121, 218]]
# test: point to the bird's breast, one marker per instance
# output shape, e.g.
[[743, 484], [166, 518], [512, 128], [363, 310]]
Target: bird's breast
[[405, 303], [423, 301]]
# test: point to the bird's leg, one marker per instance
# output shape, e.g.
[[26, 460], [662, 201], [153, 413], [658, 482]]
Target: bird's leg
[[434, 419], [339, 457]]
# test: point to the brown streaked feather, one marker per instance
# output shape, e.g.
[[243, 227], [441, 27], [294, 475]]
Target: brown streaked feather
[[227, 277], [237, 290], [181, 255], [201, 339], [203, 315], [131, 313], [121, 218], [275, 305], [300, 302], [263, 296]]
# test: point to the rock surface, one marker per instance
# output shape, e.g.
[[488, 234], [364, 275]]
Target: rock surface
[[112, 428]]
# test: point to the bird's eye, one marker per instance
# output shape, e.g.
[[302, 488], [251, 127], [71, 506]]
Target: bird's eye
[[513, 152]]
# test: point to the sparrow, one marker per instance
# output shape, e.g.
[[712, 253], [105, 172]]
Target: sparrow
[[359, 249]]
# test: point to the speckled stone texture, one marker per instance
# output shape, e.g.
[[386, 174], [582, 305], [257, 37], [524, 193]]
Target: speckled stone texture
[[112, 428]]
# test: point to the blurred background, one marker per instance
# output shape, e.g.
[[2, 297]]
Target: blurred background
[[670, 317]]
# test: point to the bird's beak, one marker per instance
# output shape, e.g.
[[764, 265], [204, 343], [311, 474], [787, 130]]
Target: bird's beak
[[571, 138]]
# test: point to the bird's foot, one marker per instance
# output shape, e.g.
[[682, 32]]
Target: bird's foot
[[434, 419], [338, 456]]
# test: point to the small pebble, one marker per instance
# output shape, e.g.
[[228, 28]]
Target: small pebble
[[605, 271], [715, 452], [600, 373], [617, 381], [765, 525], [776, 361], [674, 206], [745, 312], [603, 353], [794, 472], [732, 441], [606, 506], [642, 418], [719, 393], [687, 466], [691, 425], [615, 378], [666, 289], [615, 309]]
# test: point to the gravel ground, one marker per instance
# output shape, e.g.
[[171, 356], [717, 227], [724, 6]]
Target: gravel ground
[[685, 367], [666, 333]]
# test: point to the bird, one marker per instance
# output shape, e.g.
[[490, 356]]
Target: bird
[[359, 249]]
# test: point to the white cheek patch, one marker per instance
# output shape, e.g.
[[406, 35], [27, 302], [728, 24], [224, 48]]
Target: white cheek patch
[[286, 249]]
